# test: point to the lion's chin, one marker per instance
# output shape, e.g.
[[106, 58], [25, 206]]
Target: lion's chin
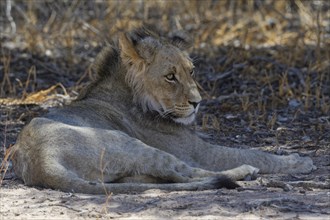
[[186, 120]]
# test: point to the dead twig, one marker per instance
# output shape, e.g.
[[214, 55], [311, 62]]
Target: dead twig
[[108, 194], [279, 184], [10, 18], [311, 184]]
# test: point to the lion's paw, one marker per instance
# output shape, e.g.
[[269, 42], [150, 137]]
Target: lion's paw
[[250, 172], [250, 169], [298, 164]]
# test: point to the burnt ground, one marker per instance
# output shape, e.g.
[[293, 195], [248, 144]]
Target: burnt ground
[[263, 71]]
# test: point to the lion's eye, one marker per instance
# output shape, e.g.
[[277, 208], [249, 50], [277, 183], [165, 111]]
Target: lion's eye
[[170, 77], [192, 72]]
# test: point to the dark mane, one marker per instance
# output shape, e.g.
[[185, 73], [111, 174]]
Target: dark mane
[[107, 61]]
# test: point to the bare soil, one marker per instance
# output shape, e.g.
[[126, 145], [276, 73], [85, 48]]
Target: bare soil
[[21, 202], [263, 69]]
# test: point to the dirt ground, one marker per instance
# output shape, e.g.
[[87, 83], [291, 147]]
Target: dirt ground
[[264, 73], [21, 202]]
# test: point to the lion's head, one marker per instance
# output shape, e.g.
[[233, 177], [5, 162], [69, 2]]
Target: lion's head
[[161, 74]]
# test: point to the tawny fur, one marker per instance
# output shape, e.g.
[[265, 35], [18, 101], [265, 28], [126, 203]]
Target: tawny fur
[[127, 132]]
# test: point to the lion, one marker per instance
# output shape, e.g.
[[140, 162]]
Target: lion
[[128, 131]]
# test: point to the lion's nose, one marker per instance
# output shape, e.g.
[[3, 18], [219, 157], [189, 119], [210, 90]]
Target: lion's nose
[[195, 104]]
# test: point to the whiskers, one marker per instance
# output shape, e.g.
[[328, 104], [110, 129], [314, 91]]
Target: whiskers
[[168, 112]]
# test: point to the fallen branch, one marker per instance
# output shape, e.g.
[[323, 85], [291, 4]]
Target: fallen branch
[[311, 184]]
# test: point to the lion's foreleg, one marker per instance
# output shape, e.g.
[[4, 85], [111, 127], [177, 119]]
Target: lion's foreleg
[[219, 158]]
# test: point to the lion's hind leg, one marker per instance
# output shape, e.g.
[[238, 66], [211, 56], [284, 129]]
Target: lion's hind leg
[[134, 161], [58, 177], [141, 167]]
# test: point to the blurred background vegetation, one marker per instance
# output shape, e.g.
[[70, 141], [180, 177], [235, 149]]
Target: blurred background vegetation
[[263, 61]]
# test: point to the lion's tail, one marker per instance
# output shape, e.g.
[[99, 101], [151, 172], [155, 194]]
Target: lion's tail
[[79, 185]]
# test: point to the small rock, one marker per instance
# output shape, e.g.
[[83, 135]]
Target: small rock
[[281, 118], [306, 138], [294, 103], [230, 116]]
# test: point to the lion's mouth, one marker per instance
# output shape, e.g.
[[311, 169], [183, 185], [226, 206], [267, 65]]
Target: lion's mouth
[[193, 113], [180, 118], [174, 116], [186, 119]]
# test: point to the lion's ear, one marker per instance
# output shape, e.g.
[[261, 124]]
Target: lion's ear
[[139, 45], [181, 39], [127, 49]]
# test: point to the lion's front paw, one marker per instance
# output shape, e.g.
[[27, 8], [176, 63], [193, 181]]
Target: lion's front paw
[[251, 172], [245, 172], [298, 164]]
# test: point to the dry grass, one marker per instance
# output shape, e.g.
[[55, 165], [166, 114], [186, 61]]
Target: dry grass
[[283, 38]]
